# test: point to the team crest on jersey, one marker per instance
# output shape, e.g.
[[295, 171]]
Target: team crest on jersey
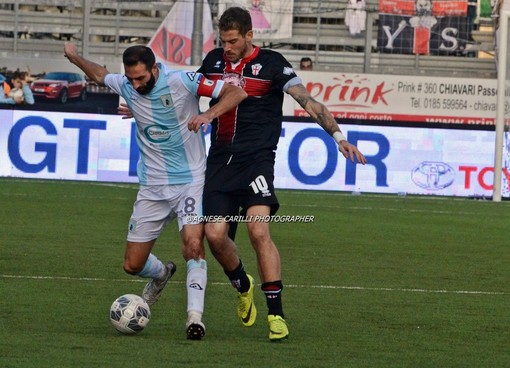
[[167, 100], [234, 79], [288, 70], [255, 69]]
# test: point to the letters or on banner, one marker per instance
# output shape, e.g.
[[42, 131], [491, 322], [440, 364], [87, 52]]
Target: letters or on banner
[[401, 98], [422, 26], [271, 19], [172, 41]]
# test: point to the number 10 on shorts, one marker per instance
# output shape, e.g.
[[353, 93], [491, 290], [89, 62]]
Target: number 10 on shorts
[[259, 185]]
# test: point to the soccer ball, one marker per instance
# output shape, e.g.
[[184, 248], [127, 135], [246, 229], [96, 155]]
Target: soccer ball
[[129, 314]]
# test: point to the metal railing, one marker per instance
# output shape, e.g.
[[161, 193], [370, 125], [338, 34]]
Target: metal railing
[[104, 29]]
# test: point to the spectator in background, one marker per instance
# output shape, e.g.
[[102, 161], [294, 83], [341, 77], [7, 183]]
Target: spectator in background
[[17, 94], [306, 64], [496, 7], [5, 88], [28, 75], [472, 14]]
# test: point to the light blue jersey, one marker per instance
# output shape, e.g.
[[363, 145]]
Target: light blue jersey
[[169, 152]]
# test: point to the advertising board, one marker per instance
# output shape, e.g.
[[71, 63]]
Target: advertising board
[[419, 160], [401, 98]]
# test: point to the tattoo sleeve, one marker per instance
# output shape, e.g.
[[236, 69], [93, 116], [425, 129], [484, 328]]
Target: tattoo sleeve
[[315, 109]]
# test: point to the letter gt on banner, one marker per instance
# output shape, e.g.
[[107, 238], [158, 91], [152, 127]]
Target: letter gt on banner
[[270, 19], [172, 41]]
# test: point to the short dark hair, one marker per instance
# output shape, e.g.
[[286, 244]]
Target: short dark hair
[[18, 75], [139, 54], [305, 59], [235, 18]]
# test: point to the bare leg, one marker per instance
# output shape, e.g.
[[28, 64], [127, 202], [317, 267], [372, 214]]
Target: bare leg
[[222, 247], [268, 257], [136, 255]]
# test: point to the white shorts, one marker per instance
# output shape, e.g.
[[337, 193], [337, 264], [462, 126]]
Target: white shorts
[[157, 205]]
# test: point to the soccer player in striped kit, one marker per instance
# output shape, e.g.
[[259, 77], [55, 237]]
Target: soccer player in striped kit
[[164, 102], [240, 163]]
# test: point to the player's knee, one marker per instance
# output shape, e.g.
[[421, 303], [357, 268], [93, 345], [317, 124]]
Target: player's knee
[[258, 235], [260, 240], [195, 243], [193, 249], [214, 237], [132, 268]]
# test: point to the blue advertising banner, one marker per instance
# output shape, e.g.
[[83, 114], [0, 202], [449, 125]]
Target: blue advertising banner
[[418, 160]]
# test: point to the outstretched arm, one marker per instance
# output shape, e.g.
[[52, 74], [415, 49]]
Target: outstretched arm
[[94, 71], [27, 94], [325, 119], [229, 97]]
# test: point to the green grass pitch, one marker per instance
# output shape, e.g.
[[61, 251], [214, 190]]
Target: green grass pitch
[[373, 281]]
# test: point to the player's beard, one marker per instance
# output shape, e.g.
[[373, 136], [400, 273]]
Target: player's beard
[[143, 90], [234, 57]]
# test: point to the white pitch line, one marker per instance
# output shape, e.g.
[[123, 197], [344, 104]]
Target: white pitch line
[[473, 292], [361, 288]]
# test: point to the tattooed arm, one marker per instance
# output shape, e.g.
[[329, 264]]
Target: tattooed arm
[[315, 109], [325, 119]]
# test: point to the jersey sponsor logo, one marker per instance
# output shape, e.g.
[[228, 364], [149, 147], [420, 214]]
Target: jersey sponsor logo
[[288, 70], [157, 133], [217, 65], [234, 79], [167, 100], [255, 69]]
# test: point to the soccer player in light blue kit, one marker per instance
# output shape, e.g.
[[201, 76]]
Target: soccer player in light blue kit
[[171, 166]]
